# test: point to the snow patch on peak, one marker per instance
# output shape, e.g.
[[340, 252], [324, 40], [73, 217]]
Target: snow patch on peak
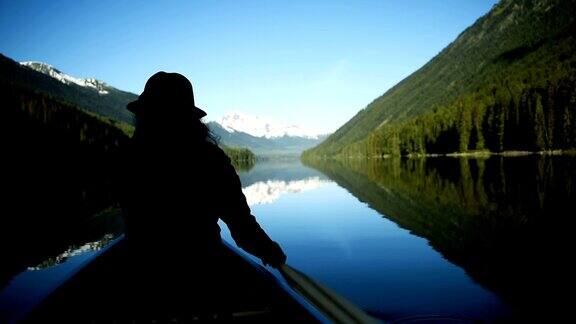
[[49, 70], [261, 127]]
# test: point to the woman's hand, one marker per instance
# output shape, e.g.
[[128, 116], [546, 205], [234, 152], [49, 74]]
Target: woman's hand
[[274, 256]]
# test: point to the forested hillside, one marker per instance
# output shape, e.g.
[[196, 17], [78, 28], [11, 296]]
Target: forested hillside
[[57, 171], [506, 83], [112, 104]]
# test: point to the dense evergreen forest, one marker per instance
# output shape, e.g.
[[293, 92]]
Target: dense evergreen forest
[[243, 159], [59, 140], [512, 115], [506, 83], [56, 173]]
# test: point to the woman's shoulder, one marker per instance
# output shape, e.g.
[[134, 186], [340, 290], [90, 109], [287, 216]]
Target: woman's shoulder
[[215, 153]]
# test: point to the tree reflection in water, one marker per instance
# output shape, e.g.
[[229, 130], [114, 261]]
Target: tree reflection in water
[[505, 220]]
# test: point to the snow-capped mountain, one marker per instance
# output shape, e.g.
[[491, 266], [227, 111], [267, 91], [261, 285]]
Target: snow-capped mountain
[[262, 145], [48, 69], [261, 127], [88, 94]]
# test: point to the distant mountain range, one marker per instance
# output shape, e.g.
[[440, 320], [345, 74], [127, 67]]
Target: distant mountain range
[[262, 145], [47, 69], [261, 136], [505, 83], [260, 127]]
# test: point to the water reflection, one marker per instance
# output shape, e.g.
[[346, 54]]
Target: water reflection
[[288, 169], [28, 249], [506, 221], [340, 241], [269, 179], [27, 289], [267, 192], [380, 232], [73, 251]]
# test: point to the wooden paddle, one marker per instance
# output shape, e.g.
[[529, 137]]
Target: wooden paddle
[[335, 307]]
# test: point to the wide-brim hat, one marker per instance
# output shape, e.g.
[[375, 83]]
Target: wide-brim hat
[[170, 92]]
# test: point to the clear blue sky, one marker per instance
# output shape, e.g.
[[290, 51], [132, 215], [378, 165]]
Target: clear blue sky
[[312, 63]]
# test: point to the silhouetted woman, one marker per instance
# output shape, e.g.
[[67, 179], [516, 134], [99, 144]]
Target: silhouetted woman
[[179, 183]]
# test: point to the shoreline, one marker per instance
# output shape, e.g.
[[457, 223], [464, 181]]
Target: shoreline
[[487, 154], [475, 154]]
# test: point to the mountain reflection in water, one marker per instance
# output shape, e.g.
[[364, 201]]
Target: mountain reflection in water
[[74, 251], [266, 192]]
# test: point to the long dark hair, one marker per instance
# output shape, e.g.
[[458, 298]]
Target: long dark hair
[[205, 133]]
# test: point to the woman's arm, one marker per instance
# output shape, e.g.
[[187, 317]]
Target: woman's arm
[[235, 212]]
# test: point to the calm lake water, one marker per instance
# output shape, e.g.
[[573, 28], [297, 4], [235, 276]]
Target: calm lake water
[[481, 239], [352, 247]]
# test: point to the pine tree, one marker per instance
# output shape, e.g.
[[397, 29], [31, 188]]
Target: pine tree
[[549, 114], [569, 118], [539, 124], [478, 116], [464, 125]]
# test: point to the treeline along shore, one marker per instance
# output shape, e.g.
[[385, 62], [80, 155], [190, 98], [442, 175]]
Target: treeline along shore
[[508, 116]]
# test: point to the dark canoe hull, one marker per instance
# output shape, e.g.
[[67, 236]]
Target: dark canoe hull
[[117, 287]]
